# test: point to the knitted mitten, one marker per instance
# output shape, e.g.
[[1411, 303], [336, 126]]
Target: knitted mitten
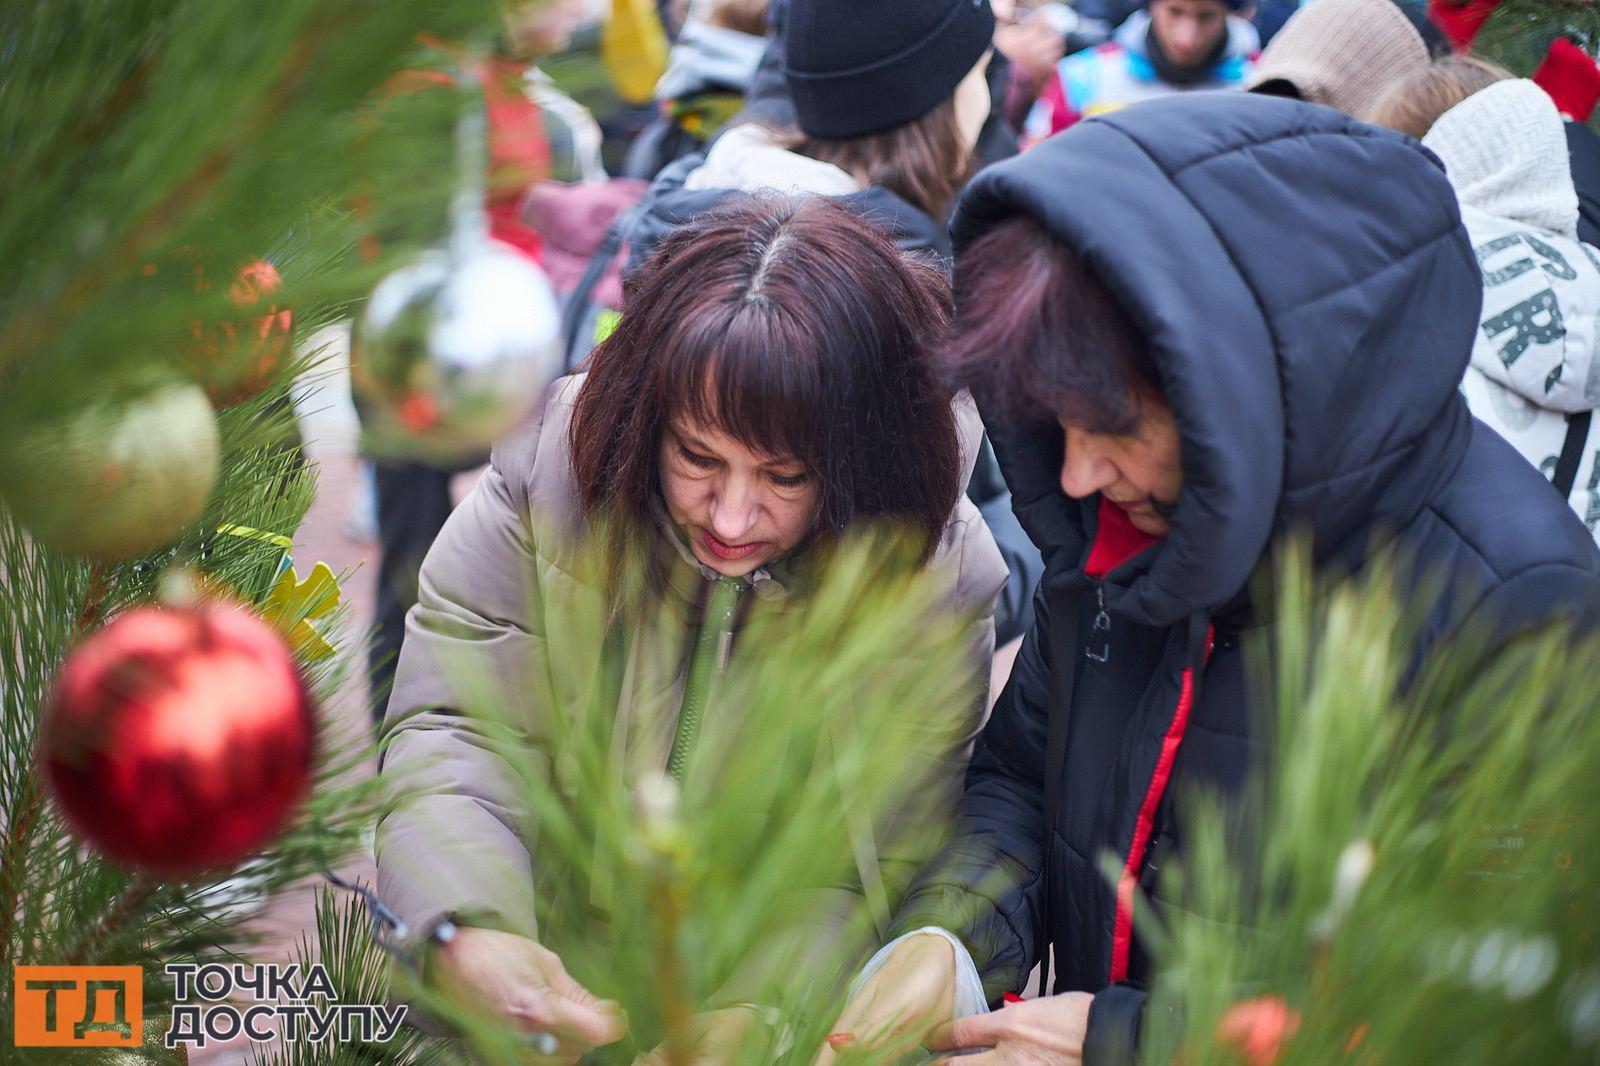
[[1571, 77], [1461, 21]]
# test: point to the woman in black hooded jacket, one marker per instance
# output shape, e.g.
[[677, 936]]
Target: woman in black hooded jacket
[[1301, 298]]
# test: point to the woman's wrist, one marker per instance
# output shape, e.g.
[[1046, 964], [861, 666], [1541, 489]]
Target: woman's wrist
[[963, 973]]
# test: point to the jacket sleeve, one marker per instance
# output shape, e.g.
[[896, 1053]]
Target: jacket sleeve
[[1116, 1018], [1013, 613], [1583, 148], [1052, 112], [984, 886], [451, 842]]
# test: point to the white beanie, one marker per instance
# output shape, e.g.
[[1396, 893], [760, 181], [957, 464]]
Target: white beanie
[[1505, 151]]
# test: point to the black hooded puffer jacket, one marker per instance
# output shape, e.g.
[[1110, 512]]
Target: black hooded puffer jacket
[[1310, 297]]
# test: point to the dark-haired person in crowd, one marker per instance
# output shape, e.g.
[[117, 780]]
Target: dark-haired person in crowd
[[1535, 373], [1344, 53], [706, 435], [889, 99], [1288, 361], [1171, 46]]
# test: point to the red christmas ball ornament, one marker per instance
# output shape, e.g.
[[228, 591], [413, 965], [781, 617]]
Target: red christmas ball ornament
[[177, 741], [235, 358]]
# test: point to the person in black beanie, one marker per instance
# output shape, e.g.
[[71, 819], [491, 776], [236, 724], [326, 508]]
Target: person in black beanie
[[859, 68], [768, 100]]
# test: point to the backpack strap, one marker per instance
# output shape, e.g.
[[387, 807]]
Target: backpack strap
[[1571, 452], [576, 313]]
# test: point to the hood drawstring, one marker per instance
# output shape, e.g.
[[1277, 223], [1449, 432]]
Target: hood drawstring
[[709, 659]]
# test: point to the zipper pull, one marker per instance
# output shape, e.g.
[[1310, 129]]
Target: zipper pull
[[1101, 629]]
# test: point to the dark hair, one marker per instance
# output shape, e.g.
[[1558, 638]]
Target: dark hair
[[797, 328], [925, 162], [1038, 336]]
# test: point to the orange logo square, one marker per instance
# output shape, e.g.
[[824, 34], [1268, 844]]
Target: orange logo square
[[79, 1006]]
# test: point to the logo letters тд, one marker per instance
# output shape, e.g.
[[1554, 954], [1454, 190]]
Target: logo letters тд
[[78, 1006], [119, 1010]]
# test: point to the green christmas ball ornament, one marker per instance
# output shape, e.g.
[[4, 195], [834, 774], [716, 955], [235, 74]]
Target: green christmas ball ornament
[[114, 481]]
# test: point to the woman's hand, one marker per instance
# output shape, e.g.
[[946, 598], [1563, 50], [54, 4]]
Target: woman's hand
[[1037, 1032], [717, 1038], [912, 992], [525, 983]]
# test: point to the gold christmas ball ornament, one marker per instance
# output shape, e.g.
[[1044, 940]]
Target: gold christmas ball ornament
[[114, 481], [453, 352], [153, 1050]]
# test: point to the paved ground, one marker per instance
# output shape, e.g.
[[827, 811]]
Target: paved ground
[[331, 534], [328, 422]]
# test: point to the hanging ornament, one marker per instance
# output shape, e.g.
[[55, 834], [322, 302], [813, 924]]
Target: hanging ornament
[[234, 357], [1258, 1029], [114, 481], [153, 1051], [456, 349], [176, 741], [293, 604]]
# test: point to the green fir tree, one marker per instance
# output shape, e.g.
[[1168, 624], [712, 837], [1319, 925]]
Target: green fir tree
[[149, 150]]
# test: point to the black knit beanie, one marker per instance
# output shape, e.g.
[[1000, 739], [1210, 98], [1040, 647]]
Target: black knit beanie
[[856, 67]]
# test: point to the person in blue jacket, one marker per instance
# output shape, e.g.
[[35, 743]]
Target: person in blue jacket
[[1193, 327]]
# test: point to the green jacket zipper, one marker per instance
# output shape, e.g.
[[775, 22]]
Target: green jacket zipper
[[709, 659]]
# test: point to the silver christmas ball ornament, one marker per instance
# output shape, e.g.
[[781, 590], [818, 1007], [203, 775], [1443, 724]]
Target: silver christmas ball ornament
[[454, 351]]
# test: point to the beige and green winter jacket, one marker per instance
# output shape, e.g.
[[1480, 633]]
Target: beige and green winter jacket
[[493, 618]]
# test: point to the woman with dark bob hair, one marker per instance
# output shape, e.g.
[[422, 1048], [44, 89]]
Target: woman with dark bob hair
[[768, 388]]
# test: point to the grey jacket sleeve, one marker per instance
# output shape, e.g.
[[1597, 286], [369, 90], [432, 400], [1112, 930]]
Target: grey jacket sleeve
[[452, 842]]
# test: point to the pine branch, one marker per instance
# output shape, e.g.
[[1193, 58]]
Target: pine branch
[[129, 906], [1405, 879], [742, 882], [1517, 34], [102, 579], [11, 867], [23, 332]]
